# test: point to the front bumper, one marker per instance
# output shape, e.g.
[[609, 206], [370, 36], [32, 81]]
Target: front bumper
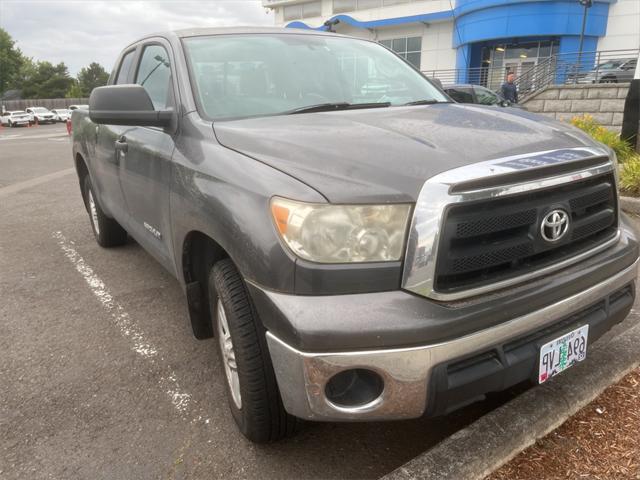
[[411, 375]]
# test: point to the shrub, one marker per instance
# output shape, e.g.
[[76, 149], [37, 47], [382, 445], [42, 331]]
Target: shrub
[[630, 176], [623, 150]]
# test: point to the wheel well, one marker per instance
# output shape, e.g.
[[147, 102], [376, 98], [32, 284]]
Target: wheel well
[[199, 253], [82, 171]]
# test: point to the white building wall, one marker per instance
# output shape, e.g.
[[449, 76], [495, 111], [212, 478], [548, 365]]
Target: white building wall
[[623, 26], [437, 38]]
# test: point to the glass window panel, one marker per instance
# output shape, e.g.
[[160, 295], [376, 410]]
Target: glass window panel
[[154, 74], [262, 74], [399, 45], [364, 4], [460, 95], [545, 49], [125, 66], [386, 43], [414, 44], [485, 96], [291, 12], [344, 6], [311, 9], [414, 59]]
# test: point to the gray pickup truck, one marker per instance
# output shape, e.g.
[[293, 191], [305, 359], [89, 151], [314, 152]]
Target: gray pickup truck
[[362, 247]]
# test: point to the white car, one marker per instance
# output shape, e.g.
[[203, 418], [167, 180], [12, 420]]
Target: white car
[[60, 114], [75, 107], [15, 118], [40, 114]]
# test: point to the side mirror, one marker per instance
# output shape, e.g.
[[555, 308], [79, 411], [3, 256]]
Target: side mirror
[[126, 105]]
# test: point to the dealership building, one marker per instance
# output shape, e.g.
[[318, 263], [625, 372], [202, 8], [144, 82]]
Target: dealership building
[[456, 35]]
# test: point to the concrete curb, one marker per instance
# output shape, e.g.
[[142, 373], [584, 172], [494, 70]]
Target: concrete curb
[[630, 204], [491, 441]]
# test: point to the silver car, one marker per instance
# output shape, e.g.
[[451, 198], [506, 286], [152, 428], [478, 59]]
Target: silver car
[[612, 71]]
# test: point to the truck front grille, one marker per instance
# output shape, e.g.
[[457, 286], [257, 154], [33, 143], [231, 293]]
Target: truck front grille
[[496, 239]]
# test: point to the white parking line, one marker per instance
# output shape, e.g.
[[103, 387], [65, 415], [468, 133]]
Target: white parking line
[[180, 399]]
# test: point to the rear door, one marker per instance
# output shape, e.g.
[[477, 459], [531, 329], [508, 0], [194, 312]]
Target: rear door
[[107, 159], [145, 166]]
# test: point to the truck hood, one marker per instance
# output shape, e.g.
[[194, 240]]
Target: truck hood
[[386, 154]]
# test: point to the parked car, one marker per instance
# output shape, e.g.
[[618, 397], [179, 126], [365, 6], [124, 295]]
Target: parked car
[[360, 253], [611, 71], [40, 114], [468, 93], [60, 114], [75, 107], [15, 118]]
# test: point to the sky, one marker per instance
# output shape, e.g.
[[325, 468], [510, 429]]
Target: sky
[[78, 32]]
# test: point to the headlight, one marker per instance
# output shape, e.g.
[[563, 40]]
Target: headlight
[[326, 233]]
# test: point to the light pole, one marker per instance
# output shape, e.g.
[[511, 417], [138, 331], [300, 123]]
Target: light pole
[[586, 4]]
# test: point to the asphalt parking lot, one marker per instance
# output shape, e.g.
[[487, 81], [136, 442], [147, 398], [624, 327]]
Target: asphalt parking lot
[[101, 377]]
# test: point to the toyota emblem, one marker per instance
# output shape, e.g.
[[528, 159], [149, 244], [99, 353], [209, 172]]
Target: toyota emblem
[[554, 225]]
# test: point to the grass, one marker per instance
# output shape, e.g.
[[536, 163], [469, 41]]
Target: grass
[[628, 159]]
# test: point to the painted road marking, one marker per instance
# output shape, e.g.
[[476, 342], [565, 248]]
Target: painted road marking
[[16, 187], [180, 399]]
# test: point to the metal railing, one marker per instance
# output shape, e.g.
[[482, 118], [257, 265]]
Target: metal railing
[[559, 69]]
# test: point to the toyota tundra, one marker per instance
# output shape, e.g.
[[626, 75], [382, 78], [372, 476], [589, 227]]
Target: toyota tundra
[[361, 247]]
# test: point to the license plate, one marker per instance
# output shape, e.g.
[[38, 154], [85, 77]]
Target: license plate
[[562, 353]]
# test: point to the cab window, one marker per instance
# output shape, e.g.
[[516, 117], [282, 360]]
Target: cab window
[[125, 67], [154, 74]]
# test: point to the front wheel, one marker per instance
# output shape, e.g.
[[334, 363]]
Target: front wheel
[[107, 231], [254, 398]]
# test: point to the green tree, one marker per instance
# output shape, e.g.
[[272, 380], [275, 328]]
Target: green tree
[[75, 91], [91, 77], [45, 80], [11, 60]]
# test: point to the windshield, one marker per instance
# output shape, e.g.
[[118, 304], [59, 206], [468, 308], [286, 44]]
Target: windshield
[[40, 110], [252, 75], [18, 112]]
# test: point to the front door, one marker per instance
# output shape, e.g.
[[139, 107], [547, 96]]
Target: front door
[[106, 169], [145, 158]]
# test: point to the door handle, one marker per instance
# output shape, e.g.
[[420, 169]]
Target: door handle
[[121, 145]]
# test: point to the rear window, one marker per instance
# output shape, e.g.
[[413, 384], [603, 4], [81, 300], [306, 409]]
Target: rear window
[[460, 95]]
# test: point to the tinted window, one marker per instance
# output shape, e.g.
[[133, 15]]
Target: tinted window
[[460, 95], [154, 74], [125, 67], [486, 97]]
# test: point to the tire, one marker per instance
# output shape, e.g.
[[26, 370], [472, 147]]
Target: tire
[[107, 231], [253, 396]]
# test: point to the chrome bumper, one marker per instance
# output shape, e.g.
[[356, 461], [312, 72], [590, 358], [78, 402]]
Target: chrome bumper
[[406, 372]]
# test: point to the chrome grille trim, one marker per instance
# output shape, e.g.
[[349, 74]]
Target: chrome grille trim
[[427, 222]]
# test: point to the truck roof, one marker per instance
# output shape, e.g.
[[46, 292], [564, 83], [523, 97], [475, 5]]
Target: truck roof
[[195, 32]]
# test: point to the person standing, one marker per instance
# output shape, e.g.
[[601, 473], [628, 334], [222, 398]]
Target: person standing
[[508, 89]]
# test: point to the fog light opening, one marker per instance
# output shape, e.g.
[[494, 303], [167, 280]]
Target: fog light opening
[[354, 388]]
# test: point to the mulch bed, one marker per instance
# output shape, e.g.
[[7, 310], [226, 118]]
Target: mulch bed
[[602, 441]]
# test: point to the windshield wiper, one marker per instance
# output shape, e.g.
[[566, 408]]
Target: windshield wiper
[[329, 107], [423, 102]]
